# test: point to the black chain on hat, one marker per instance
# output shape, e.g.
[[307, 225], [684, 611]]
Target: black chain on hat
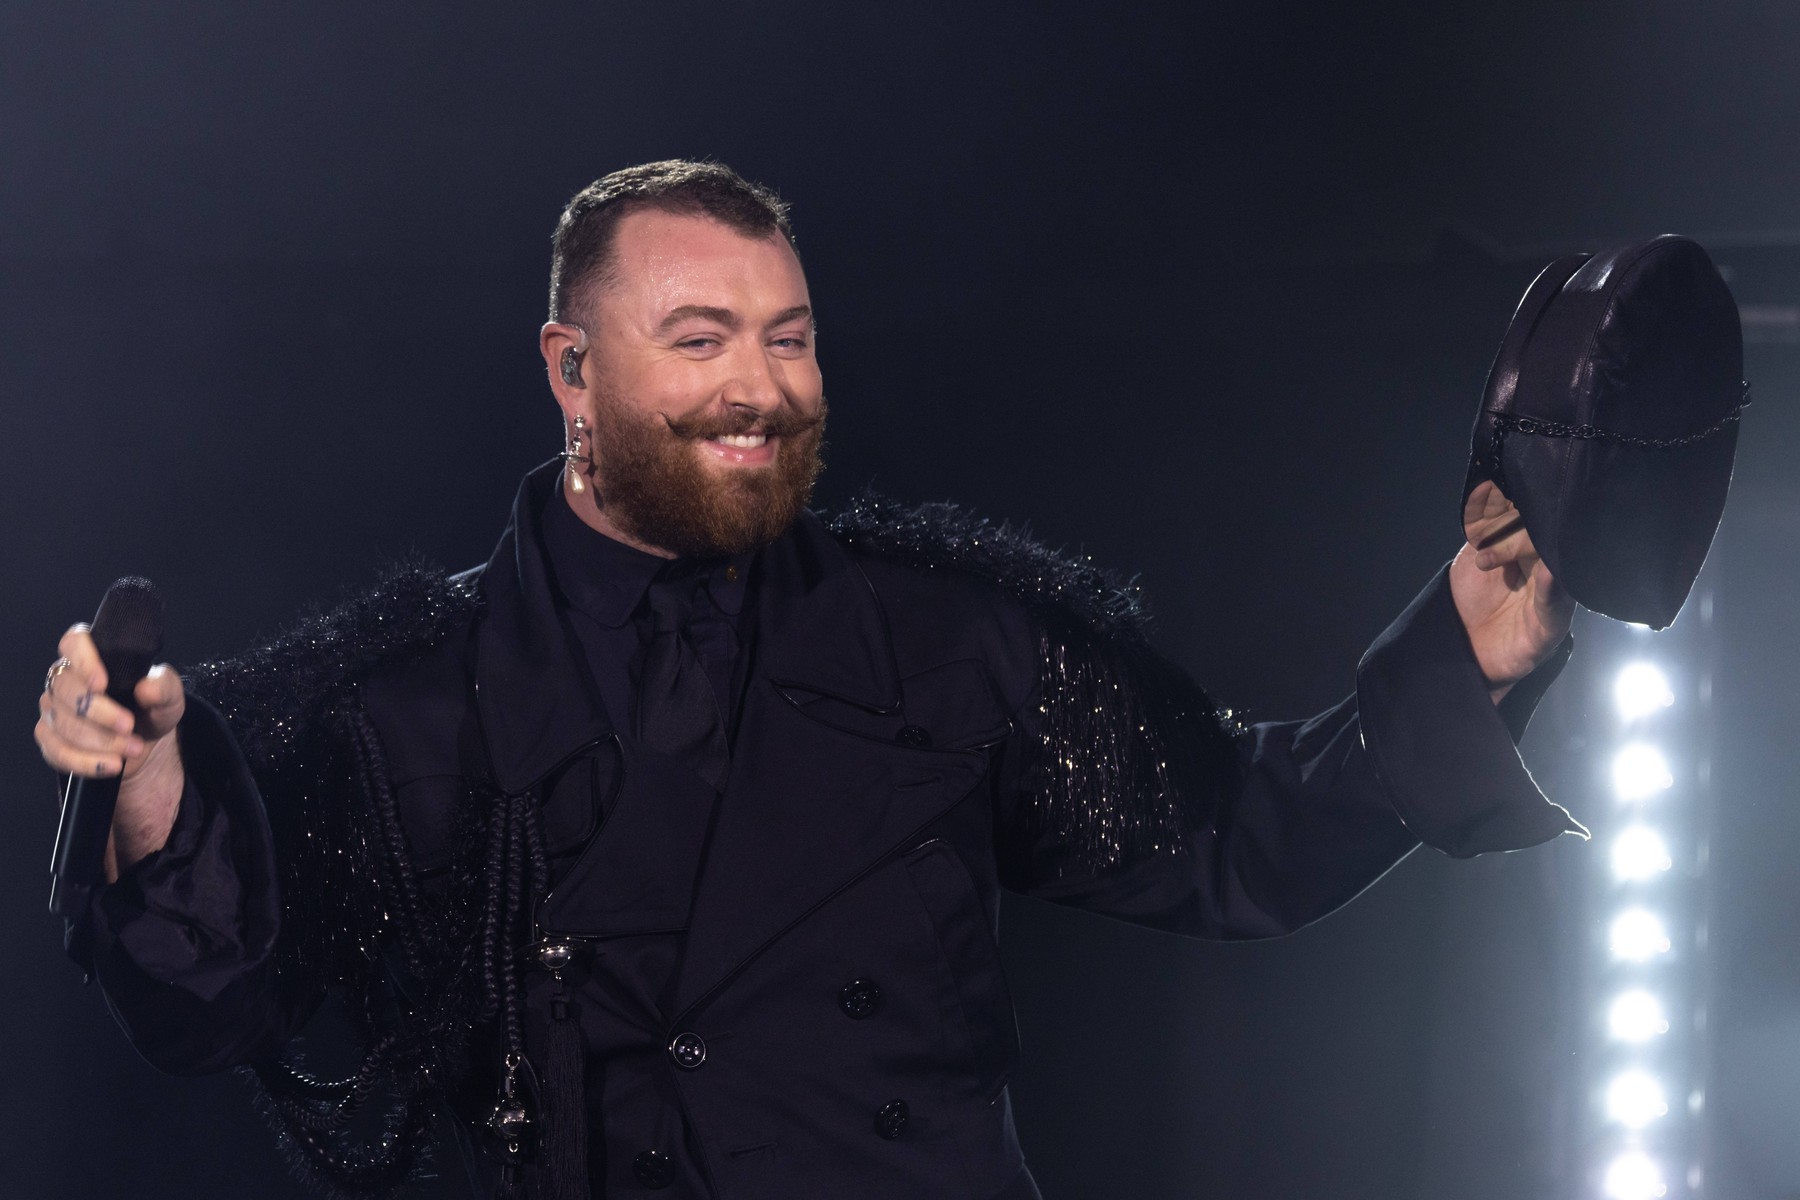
[[1505, 423]]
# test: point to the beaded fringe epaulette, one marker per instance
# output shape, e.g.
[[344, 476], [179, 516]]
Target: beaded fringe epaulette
[[348, 892], [1132, 756]]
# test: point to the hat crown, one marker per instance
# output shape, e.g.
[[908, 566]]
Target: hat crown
[[1608, 420]]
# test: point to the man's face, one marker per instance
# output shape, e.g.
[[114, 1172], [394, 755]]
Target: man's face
[[703, 396]]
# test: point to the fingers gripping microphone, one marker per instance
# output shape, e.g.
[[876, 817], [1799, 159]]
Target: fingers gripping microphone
[[128, 633]]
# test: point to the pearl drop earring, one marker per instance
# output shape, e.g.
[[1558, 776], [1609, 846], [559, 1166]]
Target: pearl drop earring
[[572, 456]]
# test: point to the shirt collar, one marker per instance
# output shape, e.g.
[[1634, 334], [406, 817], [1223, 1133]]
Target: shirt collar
[[606, 579]]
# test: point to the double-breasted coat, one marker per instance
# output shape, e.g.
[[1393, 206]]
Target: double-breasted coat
[[931, 709]]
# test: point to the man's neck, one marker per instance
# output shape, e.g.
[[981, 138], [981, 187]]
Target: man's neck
[[587, 509]]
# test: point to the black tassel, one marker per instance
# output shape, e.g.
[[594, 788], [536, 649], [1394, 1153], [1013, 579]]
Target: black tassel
[[565, 1172]]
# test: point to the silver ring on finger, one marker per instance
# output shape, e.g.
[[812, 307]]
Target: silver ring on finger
[[56, 668]]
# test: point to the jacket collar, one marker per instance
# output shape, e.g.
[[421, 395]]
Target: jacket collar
[[819, 627]]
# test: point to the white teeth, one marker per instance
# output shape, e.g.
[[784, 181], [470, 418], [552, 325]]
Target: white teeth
[[743, 441]]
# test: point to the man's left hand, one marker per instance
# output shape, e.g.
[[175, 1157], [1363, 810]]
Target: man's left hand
[[1516, 614]]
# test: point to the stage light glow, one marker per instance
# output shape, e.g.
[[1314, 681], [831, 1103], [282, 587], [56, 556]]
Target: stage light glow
[[1640, 853], [1640, 770], [1635, 1099], [1636, 1016], [1647, 1090], [1634, 1176], [1640, 690], [1637, 934]]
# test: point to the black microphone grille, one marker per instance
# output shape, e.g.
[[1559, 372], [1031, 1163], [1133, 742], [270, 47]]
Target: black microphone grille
[[130, 618]]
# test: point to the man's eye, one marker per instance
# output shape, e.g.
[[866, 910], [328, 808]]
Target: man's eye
[[698, 343], [791, 343]]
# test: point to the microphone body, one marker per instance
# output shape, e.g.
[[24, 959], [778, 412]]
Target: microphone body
[[128, 633]]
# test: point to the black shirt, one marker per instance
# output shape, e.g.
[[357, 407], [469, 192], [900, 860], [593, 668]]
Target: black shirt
[[602, 585]]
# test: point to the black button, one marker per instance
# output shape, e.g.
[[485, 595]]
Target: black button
[[912, 735], [892, 1118], [688, 1051], [654, 1169], [861, 998]]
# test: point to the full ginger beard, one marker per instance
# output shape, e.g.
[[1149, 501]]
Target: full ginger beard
[[649, 480]]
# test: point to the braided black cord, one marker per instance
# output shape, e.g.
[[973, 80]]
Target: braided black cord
[[491, 910], [511, 1012], [400, 883], [534, 846], [452, 997]]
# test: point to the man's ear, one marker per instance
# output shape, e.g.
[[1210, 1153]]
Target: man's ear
[[564, 347]]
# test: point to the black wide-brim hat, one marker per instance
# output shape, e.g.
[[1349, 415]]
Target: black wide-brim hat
[[1610, 421]]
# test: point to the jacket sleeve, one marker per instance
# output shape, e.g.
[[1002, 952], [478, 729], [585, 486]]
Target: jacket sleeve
[[184, 943], [286, 868], [1131, 794]]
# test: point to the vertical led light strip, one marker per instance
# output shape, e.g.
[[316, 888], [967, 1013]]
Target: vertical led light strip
[[1635, 1095], [1648, 1094]]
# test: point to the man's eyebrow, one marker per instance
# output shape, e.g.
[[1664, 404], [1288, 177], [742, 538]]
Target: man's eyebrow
[[702, 312], [726, 317], [790, 314]]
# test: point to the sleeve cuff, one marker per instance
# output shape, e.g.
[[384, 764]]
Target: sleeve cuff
[[195, 911], [117, 906], [1440, 747]]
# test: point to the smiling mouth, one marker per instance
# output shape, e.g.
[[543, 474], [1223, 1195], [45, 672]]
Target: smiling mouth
[[741, 450]]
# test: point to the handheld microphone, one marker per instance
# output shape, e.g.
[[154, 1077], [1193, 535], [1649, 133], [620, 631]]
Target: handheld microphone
[[128, 633]]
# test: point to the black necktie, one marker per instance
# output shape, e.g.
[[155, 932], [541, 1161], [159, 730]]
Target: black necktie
[[678, 714]]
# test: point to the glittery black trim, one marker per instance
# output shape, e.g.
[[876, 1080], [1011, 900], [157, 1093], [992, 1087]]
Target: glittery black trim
[[1131, 758]]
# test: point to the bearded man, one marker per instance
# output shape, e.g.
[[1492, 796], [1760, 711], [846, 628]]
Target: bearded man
[[664, 851]]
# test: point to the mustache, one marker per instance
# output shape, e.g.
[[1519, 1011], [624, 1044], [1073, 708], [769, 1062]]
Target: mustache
[[784, 422]]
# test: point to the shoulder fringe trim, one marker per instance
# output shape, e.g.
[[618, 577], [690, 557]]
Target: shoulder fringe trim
[[942, 536]]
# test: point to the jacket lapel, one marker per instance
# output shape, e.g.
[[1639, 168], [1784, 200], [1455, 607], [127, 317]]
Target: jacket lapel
[[809, 808], [637, 875]]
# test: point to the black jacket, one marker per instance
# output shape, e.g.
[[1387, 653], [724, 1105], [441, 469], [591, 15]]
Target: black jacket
[[935, 709]]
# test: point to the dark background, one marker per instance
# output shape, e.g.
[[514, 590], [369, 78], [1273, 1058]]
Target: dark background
[[1206, 290]]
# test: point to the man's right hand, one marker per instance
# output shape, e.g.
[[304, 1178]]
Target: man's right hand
[[81, 731]]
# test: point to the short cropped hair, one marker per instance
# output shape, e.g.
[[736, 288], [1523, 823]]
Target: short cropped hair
[[582, 262]]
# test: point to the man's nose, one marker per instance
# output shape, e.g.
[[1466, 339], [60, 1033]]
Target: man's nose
[[754, 382]]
